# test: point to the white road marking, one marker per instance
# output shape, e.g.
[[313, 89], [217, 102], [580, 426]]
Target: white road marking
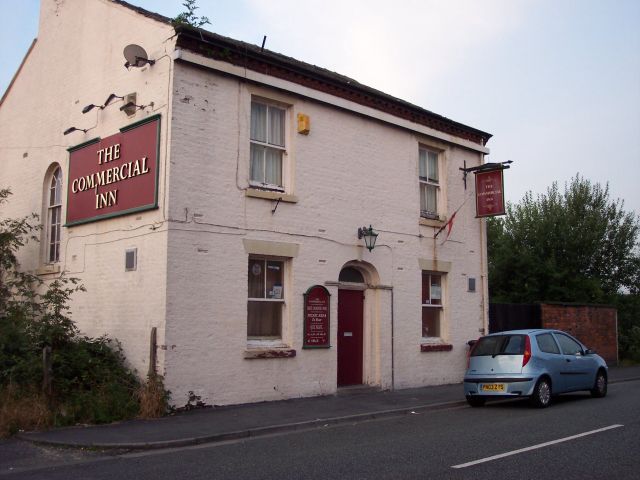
[[534, 447]]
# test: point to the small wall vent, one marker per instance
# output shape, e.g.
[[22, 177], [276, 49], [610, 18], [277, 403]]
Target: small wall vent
[[131, 260]]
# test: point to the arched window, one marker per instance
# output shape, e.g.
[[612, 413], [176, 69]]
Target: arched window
[[54, 217]]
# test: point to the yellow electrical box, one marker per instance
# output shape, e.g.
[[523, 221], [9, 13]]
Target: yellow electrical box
[[303, 124]]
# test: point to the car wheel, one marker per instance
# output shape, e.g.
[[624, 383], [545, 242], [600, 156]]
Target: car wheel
[[541, 396], [599, 389], [475, 401]]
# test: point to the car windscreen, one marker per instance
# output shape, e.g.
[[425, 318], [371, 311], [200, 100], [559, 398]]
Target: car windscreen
[[499, 345]]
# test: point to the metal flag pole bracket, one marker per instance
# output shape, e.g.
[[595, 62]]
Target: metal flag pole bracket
[[276, 207], [483, 168]]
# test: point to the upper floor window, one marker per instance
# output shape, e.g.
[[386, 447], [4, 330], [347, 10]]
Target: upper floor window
[[53, 225], [431, 305], [268, 132], [429, 183]]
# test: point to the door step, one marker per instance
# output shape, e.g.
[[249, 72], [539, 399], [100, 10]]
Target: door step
[[357, 389]]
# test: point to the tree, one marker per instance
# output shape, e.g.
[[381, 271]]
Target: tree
[[16, 293], [189, 16], [575, 246], [21, 296]]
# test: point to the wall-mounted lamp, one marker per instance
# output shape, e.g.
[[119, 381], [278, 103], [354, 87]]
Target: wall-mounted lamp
[[74, 129], [110, 98], [369, 235], [91, 106], [130, 108]]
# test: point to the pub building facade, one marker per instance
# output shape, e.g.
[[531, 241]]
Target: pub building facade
[[215, 198]]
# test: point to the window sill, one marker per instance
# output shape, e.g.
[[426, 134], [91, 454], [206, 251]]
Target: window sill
[[269, 195], [48, 269], [428, 222], [436, 347], [260, 353]]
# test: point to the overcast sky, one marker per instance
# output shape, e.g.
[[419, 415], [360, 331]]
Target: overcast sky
[[557, 82]]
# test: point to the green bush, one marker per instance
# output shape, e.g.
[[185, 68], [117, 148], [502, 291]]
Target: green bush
[[90, 380], [628, 306], [20, 361], [91, 383], [629, 342]]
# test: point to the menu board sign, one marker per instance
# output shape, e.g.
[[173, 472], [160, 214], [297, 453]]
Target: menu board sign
[[316, 317]]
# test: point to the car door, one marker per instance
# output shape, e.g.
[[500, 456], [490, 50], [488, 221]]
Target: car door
[[552, 360], [576, 370]]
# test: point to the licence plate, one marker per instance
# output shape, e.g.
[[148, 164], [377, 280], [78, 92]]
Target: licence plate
[[493, 387]]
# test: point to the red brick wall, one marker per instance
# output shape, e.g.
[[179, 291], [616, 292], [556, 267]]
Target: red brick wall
[[595, 326]]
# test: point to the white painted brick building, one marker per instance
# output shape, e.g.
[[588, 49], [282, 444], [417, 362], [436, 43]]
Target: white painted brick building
[[266, 168]]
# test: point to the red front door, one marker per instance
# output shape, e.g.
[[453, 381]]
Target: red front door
[[350, 337]]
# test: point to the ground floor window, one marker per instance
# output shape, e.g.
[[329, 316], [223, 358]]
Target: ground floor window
[[432, 305], [265, 298]]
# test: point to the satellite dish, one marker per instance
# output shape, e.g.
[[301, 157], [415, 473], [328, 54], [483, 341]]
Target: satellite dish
[[136, 56]]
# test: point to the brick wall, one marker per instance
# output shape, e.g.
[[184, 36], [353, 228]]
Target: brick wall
[[595, 326]]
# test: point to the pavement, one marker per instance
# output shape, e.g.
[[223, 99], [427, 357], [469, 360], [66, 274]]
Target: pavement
[[218, 424]]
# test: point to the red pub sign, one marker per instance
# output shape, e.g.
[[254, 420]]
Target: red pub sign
[[116, 175], [489, 193], [316, 317]]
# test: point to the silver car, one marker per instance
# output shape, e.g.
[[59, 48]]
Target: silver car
[[532, 363]]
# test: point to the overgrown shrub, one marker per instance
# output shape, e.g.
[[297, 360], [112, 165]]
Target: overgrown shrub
[[90, 380], [153, 397], [22, 409]]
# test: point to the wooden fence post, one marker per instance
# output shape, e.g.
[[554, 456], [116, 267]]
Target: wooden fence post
[[152, 353], [47, 371]]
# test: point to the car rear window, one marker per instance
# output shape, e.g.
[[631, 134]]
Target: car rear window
[[499, 345]]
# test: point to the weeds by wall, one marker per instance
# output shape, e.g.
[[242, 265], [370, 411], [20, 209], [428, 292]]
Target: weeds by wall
[[50, 375]]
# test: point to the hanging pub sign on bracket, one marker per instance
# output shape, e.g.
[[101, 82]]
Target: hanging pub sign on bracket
[[483, 168]]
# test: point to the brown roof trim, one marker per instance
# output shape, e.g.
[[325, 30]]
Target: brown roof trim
[[15, 75], [280, 66], [254, 58], [146, 13]]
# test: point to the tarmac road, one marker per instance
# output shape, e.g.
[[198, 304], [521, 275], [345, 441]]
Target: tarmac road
[[590, 438]]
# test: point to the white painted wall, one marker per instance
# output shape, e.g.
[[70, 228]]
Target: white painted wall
[[352, 170], [348, 172], [76, 61]]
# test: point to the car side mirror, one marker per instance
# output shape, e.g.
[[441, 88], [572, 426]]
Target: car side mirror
[[588, 351]]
